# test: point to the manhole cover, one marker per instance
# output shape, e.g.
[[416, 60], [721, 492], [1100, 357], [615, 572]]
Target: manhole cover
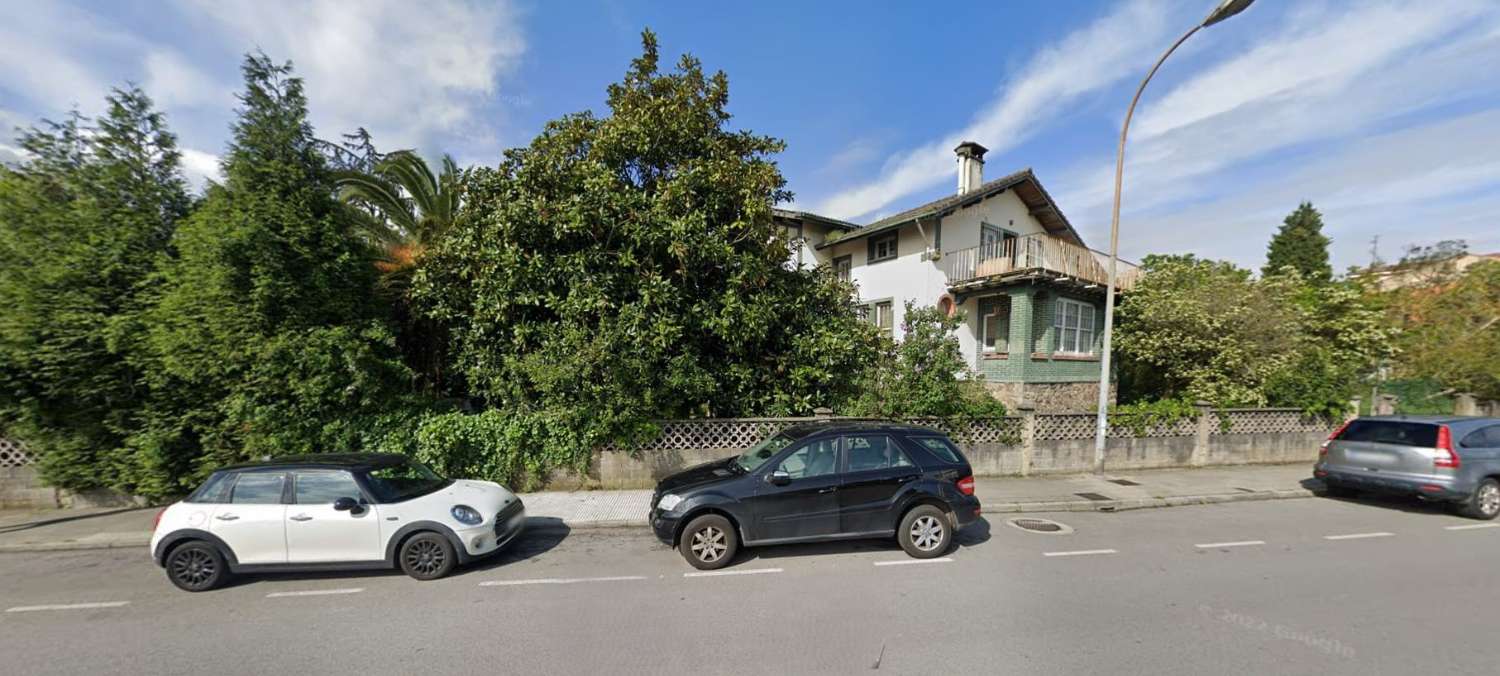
[[1093, 496], [1041, 526], [1123, 482]]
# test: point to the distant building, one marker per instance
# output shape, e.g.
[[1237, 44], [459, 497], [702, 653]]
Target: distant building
[[1425, 272], [1001, 251]]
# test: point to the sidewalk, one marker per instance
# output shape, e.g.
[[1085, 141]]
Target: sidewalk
[[127, 528]]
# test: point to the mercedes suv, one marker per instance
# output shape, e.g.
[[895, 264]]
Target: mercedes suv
[[820, 482]]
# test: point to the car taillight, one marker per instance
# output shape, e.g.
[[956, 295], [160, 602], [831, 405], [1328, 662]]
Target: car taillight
[[1323, 450], [1445, 455], [966, 485], [157, 521]]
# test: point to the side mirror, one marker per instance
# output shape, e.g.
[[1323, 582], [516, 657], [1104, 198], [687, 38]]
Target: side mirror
[[347, 505], [779, 478]]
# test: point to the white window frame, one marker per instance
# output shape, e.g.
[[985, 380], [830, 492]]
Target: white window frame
[[846, 274], [984, 326], [1074, 335], [875, 246], [873, 314]]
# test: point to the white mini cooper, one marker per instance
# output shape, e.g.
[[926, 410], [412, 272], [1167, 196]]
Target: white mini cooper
[[332, 512]]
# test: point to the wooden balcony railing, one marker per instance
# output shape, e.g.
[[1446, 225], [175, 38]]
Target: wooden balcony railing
[[1033, 253]]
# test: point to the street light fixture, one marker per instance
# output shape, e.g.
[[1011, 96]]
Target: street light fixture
[[1226, 9]]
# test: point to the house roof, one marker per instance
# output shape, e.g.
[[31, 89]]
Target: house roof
[[809, 216], [1024, 183]]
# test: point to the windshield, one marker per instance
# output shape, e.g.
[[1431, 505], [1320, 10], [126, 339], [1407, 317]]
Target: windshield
[[403, 482], [761, 452]]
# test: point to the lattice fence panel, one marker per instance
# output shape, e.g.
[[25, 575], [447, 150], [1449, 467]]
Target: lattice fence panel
[[1066, 426], [729, 434], [13, 453], [1271, 421]]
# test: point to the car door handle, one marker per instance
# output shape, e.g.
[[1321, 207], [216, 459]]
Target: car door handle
[[226, 517], [302, 517], [829, 489]]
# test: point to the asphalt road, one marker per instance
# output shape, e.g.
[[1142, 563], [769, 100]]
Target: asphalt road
[[1299, 586]]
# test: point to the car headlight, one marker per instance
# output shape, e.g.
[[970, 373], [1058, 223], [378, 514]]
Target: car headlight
[[668, 502], [466, 515]]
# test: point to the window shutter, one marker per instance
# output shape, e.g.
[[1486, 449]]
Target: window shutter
[[870, 255]]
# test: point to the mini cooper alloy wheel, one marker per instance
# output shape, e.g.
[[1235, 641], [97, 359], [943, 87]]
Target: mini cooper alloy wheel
[[194, 567], [425, 557]]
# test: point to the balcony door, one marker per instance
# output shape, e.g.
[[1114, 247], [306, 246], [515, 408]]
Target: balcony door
[[997, 250]]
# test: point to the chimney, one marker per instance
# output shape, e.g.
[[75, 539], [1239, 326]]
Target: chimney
[[970, 165]]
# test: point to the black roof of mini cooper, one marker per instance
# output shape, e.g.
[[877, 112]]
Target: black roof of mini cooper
[[350, 461]]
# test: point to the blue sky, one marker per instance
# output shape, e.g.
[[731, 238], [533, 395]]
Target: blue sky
[[1384, 113]]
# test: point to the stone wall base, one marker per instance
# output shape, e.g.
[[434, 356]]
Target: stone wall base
[[1072, 397]]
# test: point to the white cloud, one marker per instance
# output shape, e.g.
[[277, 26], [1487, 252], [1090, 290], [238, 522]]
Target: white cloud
[[406, 71], [172, 82], [1352, 74], [1110, 48], [200, 167], [1433, 181]]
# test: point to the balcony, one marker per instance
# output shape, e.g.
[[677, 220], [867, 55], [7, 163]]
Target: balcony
[[1032, 257]]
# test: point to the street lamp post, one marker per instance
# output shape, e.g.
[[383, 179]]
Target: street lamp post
[[1226, 9]]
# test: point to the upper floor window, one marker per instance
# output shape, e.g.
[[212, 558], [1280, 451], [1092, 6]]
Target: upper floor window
[[1073, 324], [882, 247], [843, 267]]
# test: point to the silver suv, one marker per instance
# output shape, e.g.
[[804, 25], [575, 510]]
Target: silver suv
[[1442, 458]]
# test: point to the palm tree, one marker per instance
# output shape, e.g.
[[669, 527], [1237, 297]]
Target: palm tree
[[406, 208]]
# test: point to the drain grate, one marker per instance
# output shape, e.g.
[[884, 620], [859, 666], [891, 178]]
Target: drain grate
[[1123, 482], [1040, 526], [1093, 496]]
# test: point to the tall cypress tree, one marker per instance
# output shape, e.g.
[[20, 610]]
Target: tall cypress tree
[[82, 223], [267, 338], [1300, 244]]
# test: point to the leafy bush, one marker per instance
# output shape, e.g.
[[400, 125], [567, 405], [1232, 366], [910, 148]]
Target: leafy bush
[[924, 375]]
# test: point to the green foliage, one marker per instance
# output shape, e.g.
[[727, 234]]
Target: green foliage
[[1141, 416], [407, 208], [625, 268], [1451, 332], [924, 375], [264, 337], [1205, 330], [1300, 245], [82, 223]]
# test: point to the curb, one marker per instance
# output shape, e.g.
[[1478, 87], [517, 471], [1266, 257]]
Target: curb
[[1144, 503], [65, 546]]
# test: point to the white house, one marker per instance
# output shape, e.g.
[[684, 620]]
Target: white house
[[1001, 252]]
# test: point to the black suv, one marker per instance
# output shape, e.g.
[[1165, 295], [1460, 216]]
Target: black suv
[[820, 481]]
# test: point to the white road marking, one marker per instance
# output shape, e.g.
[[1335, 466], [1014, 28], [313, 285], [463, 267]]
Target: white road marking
[[1244, 543], [716, 573], [1081, 552], [1358, 536], [558, 580], [909, 561], [67, 606], [315, 592], [1472, 526]]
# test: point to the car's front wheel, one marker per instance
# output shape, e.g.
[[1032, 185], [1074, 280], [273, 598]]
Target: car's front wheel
[[1484, 502], [196, 566], [427, 556], [924, 532], [709, 542]]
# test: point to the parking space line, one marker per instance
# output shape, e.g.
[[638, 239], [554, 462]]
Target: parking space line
[[1217, 545], [910, 561], [67, 606], [558, 580], [1472, 526], [1082, 552], [1358, 536], [315, 592], [716, 573]]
